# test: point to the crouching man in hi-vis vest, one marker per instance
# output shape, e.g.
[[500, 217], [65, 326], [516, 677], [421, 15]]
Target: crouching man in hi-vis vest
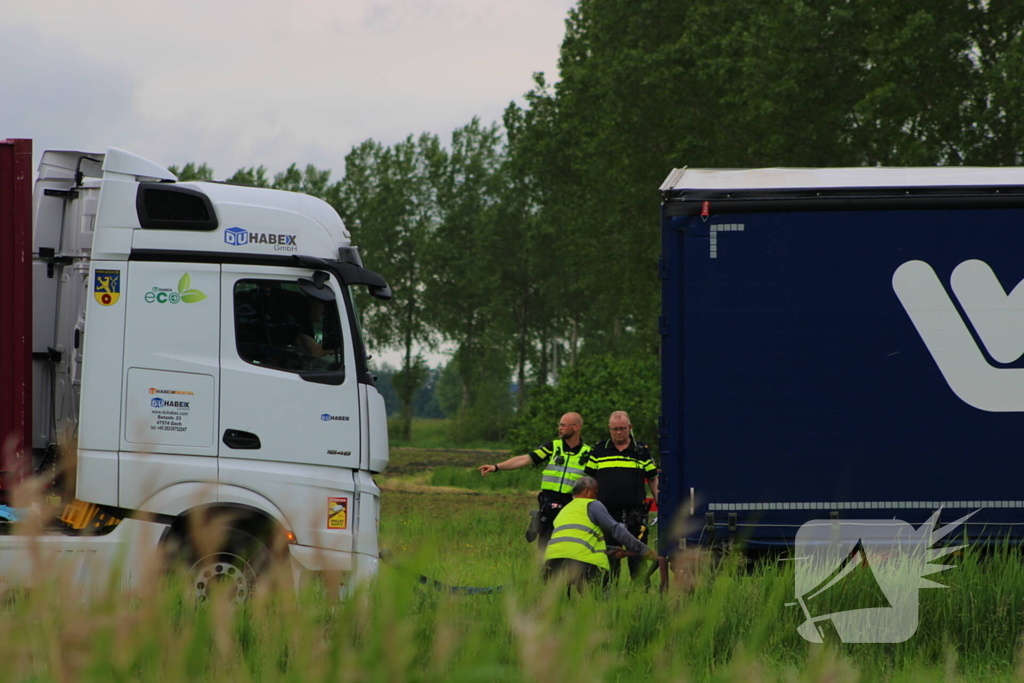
[[576, 552]]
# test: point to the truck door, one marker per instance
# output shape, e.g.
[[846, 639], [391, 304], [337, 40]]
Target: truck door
[[171, 340], [288, 391]]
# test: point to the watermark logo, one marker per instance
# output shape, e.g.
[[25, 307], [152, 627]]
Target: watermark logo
[[184, 295], [998, 321], [840, 564]]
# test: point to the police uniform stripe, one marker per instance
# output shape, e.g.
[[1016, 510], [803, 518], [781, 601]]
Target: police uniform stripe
[[560, 478], [577, 527], [569, 539], [569, 470], [623, 463]]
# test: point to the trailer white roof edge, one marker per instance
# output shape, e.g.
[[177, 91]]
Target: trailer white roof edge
[[810, 178]]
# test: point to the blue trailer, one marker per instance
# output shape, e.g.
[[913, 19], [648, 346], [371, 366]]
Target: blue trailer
[[841, 344]]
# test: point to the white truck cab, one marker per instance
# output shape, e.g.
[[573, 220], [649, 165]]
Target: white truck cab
[[196, 345]]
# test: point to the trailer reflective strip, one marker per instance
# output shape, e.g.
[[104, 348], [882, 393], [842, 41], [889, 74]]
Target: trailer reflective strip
[[715, 229], [867, 505]]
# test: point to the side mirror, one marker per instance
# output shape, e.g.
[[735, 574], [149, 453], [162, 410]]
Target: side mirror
[[348, 274], [316, 287], [355, 275]]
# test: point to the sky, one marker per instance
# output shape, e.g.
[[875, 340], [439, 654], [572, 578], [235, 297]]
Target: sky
[[237, 84]]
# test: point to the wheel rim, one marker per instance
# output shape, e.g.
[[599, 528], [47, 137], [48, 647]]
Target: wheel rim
[[230, 571]]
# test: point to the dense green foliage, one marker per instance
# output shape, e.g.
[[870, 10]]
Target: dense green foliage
[[530, 246], [594, 387]]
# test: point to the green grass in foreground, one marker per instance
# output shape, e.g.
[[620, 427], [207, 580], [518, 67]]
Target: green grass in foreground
[[734, 626]]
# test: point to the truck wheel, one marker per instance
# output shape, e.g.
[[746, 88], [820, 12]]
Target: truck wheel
[[236, 567]]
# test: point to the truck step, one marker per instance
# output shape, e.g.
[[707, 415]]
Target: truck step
[[81, 515]]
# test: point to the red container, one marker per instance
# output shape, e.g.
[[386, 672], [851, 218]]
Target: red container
[[15, 311]]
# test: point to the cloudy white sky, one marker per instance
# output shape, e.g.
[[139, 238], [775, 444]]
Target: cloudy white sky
[[236, 83]]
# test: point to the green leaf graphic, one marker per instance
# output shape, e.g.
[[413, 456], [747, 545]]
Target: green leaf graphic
[[184, 283], [191, 296]]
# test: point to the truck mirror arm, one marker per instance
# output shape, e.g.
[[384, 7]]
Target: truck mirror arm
[[350, 274]]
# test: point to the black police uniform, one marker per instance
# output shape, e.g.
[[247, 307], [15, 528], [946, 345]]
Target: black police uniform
[[621, 477]]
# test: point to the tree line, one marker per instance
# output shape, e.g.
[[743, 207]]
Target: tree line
[[531, 245]]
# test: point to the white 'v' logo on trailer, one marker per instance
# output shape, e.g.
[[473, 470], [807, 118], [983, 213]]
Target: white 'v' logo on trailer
[[998, 320]]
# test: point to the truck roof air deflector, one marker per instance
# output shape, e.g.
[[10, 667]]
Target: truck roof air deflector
[[166, 207]]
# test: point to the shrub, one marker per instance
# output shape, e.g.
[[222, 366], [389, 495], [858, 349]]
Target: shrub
[[594, 388]]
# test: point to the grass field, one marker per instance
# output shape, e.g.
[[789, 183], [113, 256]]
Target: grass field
[[435, 434], [733, 626]]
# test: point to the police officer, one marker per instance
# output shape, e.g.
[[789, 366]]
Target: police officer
[[564, 459], [577, 551], [621, 465]]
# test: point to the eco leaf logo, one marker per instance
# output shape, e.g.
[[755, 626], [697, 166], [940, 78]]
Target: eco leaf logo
[[185, 293], [998, 321], [189, 296], [889, 557]]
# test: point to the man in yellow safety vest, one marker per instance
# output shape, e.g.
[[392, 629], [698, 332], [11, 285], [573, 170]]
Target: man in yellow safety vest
[[563, 460], [577, 551]]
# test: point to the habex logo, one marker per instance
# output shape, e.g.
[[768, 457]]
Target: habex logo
[[184, 295], [180, 392], [161, 403], [326, 417], [996, 316], [239, 237], [236, 237]]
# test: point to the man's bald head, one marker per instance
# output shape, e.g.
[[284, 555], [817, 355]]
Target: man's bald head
[[569, 426]]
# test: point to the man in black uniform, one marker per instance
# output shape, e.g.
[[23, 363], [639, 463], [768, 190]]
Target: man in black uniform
[[563, 461], [621, 465]]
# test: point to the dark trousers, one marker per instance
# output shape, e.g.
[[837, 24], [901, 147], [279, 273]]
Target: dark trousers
[[635, 524], [550, 505], [574, 573]]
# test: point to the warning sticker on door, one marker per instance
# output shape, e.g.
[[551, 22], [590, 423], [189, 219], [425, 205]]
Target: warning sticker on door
[[337, 513]]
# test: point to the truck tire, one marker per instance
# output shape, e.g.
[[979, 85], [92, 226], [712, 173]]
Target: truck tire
[[236, 567]]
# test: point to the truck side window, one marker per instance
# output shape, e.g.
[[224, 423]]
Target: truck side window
[[279, 326]]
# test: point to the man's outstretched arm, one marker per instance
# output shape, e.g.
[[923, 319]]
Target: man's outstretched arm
[[513, 463]]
